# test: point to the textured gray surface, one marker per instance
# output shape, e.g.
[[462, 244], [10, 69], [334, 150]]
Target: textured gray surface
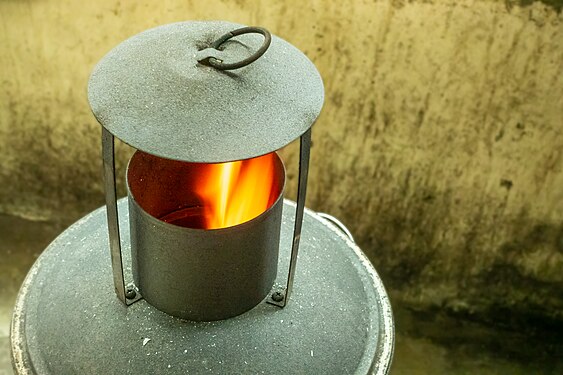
[[337, 321], [151, 92]]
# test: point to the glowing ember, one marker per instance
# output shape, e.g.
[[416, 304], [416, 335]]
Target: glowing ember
[[235, 192]]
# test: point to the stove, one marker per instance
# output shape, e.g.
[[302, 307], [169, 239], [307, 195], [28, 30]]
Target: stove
[[208, 269]]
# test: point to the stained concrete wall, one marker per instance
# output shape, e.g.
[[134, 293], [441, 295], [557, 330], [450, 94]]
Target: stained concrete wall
[[440, 144]]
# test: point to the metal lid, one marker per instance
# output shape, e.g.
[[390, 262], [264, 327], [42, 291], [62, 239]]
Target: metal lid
[[152, 92]]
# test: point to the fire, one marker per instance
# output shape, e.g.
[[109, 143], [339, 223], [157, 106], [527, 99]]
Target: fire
[[235, 192]]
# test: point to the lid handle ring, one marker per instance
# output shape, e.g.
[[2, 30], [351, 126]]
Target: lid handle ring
[[220, 65]]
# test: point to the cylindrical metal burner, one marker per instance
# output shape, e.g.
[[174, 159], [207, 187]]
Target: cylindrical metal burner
[[192, 273]]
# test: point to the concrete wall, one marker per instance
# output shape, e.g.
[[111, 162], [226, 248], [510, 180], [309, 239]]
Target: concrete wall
[[440, 144]]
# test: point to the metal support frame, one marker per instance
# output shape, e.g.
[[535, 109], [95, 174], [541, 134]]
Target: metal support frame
[[281, 295], [108, 156]]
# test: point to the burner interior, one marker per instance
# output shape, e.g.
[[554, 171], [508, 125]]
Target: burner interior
[[205, 196]]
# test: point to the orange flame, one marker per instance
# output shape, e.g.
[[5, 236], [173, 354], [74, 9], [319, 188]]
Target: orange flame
[[235, 192]]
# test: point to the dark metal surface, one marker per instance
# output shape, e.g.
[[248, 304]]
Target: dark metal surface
[[339, 321], [204, 275], [219, 64], [151, 92]]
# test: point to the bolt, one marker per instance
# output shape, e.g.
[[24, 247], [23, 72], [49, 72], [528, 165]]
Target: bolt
[[130, 293], [278, 296]]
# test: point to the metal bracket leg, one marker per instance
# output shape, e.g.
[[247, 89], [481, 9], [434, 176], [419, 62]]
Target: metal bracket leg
[[131, 294], [280, 297]]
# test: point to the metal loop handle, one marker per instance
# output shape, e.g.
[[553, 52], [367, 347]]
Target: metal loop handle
[[219, 65]]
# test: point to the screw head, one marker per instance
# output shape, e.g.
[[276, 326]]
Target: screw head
[[278, 296], [130, 293]]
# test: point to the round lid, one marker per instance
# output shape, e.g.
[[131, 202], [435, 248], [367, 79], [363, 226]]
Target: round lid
[[155, 92]]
